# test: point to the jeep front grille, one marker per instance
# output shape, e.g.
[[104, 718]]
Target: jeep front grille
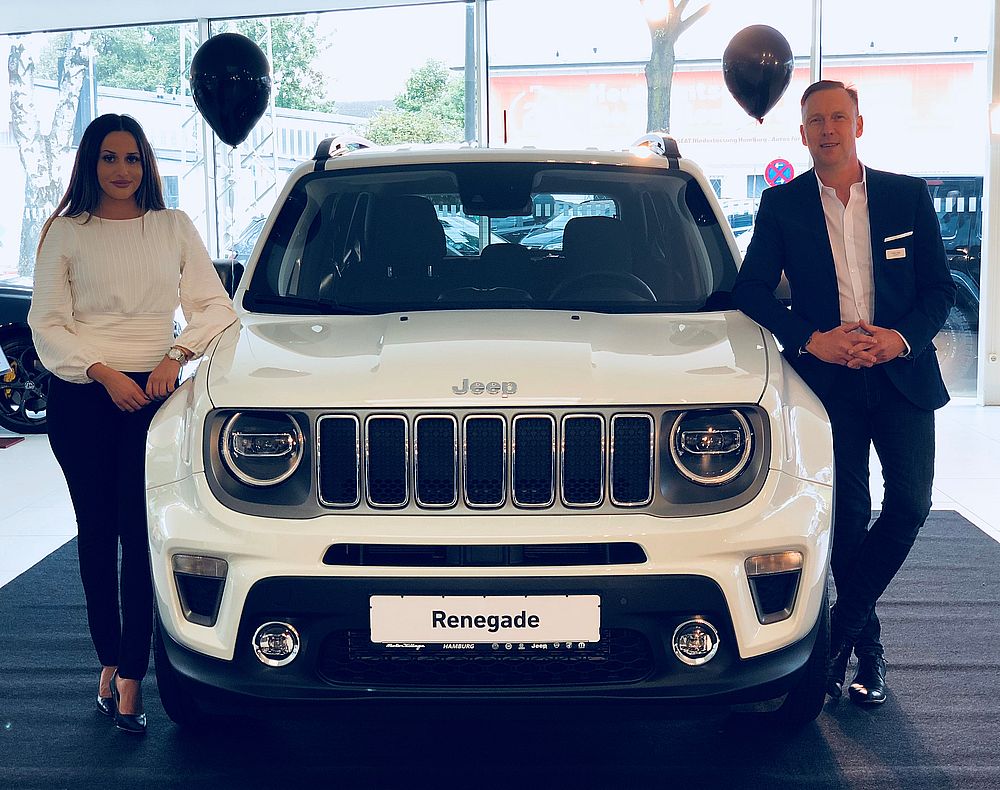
[[485, 461]]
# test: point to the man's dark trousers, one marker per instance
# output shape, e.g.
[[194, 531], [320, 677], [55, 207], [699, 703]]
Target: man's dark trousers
[[866, 409]]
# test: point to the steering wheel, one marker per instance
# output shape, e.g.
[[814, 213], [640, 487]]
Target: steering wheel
[[594, 285]]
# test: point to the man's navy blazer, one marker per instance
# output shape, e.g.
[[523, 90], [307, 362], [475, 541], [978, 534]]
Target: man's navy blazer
[[913, 286]]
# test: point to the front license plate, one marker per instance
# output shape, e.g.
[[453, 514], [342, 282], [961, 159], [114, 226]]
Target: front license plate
[[485, 618]]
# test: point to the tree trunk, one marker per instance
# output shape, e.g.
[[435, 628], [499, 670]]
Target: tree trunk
[[41, 154], [663, 34], [659, 82]]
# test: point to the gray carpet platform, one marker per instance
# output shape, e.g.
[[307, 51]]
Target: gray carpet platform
[[940, 728]]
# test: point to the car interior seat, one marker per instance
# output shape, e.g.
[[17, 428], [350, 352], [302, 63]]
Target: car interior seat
[[598, 262], [405, 243]]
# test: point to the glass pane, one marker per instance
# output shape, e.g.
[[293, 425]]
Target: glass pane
[[139, 71], [383, 239], [922, 90], [576, 77], [330, 79]]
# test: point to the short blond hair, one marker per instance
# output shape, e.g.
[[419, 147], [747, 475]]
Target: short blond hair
[[826, 85]]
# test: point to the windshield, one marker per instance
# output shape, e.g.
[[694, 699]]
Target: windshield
[[493, 235]]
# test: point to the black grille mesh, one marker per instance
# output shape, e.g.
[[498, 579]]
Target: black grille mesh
[[348, 657], [436, 461], [387, 461], [583, 460], [484, 461], [631, 468], [338, 474], [533, 449]]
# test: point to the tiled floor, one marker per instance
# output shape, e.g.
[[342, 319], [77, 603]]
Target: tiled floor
[[36, 516]]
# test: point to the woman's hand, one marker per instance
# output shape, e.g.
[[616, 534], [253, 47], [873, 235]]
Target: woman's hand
[[163, 380], [123, 391]]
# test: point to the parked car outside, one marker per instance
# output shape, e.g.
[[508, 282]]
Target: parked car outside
[[244, 243], [568, 474], [549, 236], [462, 235]]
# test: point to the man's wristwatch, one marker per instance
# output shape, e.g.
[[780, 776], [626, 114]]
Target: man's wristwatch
[[177, 355]]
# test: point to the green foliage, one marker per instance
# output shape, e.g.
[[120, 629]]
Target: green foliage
[[148, 58], [295, 45], [141, 58], [392, 126], [431, 109], [425, 86]]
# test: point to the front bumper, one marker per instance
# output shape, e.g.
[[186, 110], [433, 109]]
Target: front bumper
[[638, 614], [789, 514]]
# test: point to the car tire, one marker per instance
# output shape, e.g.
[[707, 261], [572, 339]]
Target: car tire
[[804, 701], [24, 389], [178, 701]]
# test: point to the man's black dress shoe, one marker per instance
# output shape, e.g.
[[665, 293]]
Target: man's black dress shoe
[[836, 667], [868, 687], [134, 723]]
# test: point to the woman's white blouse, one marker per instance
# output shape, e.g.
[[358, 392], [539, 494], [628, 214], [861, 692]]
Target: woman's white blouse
[[107, 290]]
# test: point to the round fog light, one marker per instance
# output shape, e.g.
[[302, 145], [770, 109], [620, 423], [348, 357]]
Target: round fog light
[[695, 642], [276, 644]]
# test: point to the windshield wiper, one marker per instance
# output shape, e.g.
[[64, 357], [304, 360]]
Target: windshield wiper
[[297, 305]]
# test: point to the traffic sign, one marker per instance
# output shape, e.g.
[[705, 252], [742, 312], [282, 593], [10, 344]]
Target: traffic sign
[[778, 171]]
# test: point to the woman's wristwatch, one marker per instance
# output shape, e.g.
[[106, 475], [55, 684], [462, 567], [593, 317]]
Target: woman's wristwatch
[[177, 354]]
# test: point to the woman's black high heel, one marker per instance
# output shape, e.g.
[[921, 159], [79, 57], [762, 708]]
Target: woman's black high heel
[[134, 723], [105, 705]]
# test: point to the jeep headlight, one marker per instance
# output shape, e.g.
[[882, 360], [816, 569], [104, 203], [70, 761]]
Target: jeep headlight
[[711, 446], [261, 448]]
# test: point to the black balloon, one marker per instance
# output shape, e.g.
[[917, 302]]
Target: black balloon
[[231, 85], [757, 66]]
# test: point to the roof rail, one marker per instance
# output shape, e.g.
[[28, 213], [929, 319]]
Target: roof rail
[[660, 143], [335, 146]]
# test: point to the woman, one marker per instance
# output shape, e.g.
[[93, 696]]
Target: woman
[[113, 264]]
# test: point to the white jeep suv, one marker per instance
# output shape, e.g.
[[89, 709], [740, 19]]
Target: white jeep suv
[[565, 472]]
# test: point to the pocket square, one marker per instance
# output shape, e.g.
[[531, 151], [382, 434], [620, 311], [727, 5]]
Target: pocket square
[[893, 254], [898, 236]]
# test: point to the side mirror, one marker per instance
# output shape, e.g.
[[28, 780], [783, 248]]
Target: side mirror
[[230, 272]]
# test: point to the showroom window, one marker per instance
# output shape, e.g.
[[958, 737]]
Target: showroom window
[[577, 76], [56, 84], [359, 73], [921, 89], [572, 75]]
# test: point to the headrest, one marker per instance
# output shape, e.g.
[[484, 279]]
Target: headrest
[[405, 234], [504, 255], [593, 244]]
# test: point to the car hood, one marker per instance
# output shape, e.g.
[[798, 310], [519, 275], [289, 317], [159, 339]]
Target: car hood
[[493, 358]]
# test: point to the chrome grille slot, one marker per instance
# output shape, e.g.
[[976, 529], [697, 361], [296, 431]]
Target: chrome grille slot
[[386, 454], [435, 460], [484, 460], [583, 460], [533, 467], [631, 459], [339, 460]]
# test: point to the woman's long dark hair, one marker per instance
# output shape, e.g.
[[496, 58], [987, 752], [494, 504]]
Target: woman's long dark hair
[[83, 195]]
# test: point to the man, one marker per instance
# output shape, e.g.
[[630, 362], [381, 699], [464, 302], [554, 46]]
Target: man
[[870, 287]]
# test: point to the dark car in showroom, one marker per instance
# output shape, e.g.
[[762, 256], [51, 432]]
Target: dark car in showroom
[[24, 381]]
